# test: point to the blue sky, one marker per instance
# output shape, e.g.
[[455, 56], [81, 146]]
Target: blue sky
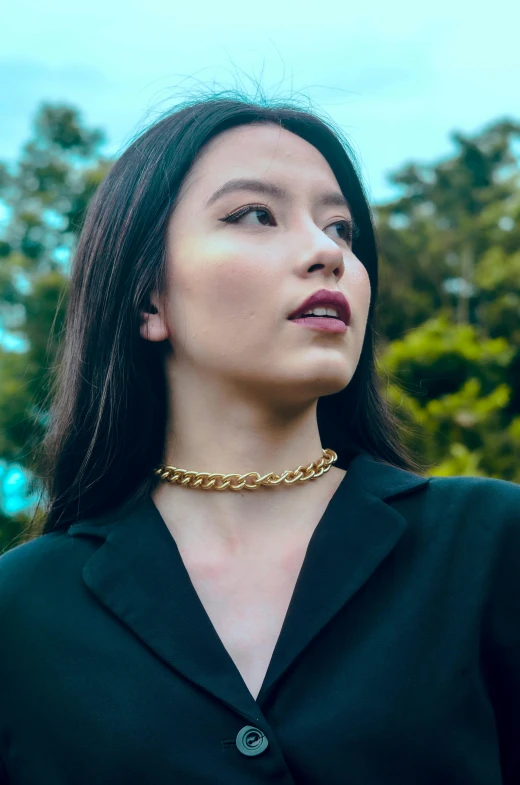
[[396, 76]]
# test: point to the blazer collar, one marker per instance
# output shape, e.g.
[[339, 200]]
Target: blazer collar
[[137, 573]]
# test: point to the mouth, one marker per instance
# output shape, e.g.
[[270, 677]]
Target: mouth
[[330, 324], [325, 309]]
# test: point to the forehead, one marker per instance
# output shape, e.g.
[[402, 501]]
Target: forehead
[[263, 150]]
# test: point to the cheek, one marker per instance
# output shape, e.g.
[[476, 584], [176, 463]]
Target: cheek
[[235, 289], [358, 281], [226, 289]]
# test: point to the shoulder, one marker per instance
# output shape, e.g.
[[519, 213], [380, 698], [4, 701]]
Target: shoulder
[[20, 563], [43, 566], [480, 517], [475, 519], [494, 502], [479, 486], [423, 493], [487, 503]]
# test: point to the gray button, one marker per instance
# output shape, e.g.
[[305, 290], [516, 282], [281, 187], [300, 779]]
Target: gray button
[[251, 741]]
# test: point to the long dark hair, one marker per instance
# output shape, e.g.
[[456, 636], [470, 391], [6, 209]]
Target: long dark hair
[[107, 401]]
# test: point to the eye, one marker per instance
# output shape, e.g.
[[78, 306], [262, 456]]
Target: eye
[[348, 230], [259, 209]]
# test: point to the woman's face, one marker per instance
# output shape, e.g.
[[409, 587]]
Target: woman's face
[[232, 285]]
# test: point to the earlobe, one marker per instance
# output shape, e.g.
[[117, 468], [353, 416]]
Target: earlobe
[[151, 326]]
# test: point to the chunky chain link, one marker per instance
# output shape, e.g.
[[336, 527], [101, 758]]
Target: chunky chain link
[[206, 480]]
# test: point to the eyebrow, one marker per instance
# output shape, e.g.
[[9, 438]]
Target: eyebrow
[[328, 199]]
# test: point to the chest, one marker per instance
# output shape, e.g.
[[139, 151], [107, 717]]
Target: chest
[[246, 600]]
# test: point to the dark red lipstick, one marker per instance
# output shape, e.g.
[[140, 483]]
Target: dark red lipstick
[[323, 298]]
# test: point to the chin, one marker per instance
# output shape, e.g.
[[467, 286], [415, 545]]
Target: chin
[[326, 377], [311, 389]]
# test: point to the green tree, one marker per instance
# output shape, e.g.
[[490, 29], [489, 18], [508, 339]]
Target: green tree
[[450, 385], [448, 216], [45, 196], [449, 313]]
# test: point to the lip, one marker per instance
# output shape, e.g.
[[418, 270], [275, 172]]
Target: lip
[[324, 298]]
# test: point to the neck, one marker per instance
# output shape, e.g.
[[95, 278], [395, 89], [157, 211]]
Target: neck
[[209, 433]]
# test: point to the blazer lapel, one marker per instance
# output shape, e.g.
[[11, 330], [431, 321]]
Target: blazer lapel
[[357, 531], [137, 573]]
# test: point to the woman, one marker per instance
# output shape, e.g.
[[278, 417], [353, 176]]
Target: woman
[[243, 577]]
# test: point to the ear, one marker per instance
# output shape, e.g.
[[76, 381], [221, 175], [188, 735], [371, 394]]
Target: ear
[[153, 324]]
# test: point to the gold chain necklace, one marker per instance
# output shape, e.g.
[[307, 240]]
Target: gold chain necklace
[[206, 480]]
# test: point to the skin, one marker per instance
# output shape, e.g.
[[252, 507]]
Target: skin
[[244, 381]]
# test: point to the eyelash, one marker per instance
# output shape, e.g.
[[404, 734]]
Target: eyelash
[[352, 229]]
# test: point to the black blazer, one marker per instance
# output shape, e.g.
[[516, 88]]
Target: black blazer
[[398, 661]]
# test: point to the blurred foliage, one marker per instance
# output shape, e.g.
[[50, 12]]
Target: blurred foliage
[[449, 310], [44, 197], [448, 318]]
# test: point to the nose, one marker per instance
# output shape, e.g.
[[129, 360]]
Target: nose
[[318, 251]]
